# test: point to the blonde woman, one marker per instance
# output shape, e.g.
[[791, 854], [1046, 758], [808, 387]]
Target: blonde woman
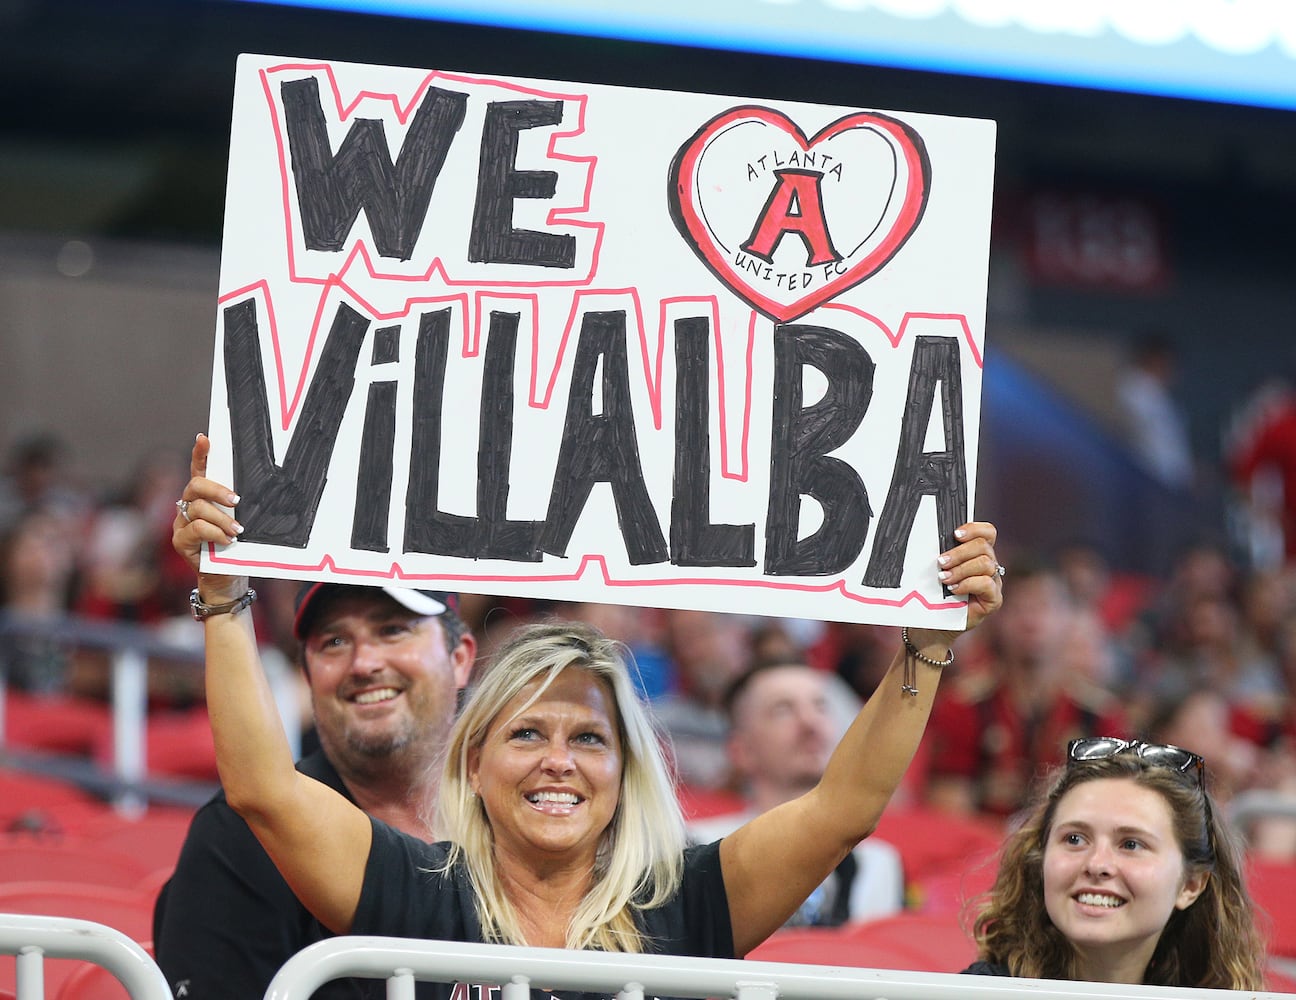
[[563, 829]]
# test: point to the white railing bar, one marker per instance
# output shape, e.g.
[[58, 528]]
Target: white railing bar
[[129, 714], [31, 973], [674, 976], [34, 938], [756, 991], [130, 648], [401, 985]]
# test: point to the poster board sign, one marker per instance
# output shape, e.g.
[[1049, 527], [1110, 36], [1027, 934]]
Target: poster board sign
[[597, 343]]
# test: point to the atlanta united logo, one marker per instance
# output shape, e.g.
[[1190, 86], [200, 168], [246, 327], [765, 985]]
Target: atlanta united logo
[[787, 222]]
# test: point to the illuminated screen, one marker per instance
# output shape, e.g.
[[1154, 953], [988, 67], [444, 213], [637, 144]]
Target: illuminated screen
[[1236, 51]]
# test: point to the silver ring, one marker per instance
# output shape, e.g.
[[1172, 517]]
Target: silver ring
[[1000, 571], [183, 507]]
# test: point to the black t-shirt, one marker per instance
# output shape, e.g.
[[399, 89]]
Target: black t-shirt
[[406, 894], [227, 921]]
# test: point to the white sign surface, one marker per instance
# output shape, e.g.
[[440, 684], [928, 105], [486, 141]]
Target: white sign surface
[[597, 343]]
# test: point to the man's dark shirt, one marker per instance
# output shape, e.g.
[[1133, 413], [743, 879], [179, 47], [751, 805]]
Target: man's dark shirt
[[227, 921]]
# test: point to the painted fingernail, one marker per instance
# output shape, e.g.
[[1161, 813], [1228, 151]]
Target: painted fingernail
[[942, 560], [960, 533], [238, 528], [234, 498], [943, 575]]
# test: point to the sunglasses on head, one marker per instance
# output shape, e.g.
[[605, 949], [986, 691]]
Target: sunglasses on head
[[1160, 754]]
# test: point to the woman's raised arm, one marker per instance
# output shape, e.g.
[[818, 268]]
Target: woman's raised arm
[[318, 840], [773, 863]]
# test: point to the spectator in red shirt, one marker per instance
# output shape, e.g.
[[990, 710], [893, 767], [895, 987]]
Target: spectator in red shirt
[[1001, 727], [1261, 451]]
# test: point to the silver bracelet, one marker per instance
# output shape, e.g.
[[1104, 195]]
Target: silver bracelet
[[910, 685], [201, 610]]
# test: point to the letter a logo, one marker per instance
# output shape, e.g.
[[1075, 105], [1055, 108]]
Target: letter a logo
[[795, 206], [868, 172]]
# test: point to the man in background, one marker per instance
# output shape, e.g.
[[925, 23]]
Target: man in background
[[1000, 725], [706, 650], [783, 728], [384, 667]]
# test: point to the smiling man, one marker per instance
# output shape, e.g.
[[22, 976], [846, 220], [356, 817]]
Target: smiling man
[[384, 667]]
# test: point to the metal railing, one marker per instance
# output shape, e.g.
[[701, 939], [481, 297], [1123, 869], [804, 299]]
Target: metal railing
[[129, 650], [403, 962], [32, 939]]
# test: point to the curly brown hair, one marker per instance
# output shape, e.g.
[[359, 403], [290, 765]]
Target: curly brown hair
[[1213, 943]]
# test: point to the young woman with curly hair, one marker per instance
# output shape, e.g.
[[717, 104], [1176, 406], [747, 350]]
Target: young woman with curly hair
[[1124, 872]]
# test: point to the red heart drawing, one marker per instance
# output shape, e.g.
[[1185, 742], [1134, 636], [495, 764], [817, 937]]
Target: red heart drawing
[[787, 222]]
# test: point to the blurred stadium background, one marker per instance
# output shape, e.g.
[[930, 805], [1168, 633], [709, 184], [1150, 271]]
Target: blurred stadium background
[[1147, 187]]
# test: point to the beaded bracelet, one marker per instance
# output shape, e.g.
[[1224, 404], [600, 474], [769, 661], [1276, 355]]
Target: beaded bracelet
[[910, 685]]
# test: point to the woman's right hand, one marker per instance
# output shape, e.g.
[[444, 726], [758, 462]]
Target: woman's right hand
[[207, 522]]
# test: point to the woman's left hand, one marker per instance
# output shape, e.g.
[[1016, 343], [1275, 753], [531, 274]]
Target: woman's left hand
[[971, 569]]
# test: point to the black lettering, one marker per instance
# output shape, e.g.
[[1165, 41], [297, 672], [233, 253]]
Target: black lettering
[[428, 529], [695, 541], [602, 447], [332, 189], [493, 239], [279, 502], [799, 460], [386, 347], [374, 481], [500, 538], [942, 474], [377, 448]]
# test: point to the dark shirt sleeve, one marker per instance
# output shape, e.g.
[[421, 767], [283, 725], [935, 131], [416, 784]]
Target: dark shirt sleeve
[[696, 922], [406, 893], [227, 920], [983, 968]]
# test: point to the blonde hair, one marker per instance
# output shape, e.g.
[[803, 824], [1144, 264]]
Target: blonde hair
[[640, 857], [1212, 944]]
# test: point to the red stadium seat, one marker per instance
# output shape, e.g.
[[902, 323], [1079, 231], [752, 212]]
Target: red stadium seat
[[130, 912], [67, 859], [906, 941], [40, 804], [1273, 888], [178, 744], [154, 838], [56, 723], [949, 892], [827, 946], [939, 940], [931, 841], [152, 883]]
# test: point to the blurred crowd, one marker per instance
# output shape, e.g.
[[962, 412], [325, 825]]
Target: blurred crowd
[[101, 556], [1204, 656]]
